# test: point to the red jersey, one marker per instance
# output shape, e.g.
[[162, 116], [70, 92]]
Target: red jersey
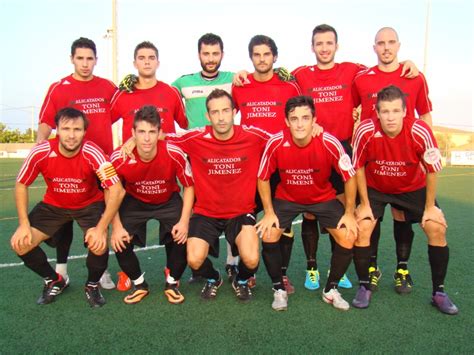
[[368, 83], [225, 172], [392, 165], [262, 104], [91, 97], [165, 98], [71, 182], [331, 91], [305, 171], [154, 181]]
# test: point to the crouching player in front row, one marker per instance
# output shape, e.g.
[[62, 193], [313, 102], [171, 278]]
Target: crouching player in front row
[[388, 156], [152, 193], [70, 167], [305, 165]]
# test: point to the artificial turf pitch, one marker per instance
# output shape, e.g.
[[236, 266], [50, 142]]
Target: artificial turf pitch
[[392, 323]]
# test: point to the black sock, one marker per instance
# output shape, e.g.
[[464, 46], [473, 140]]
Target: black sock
[[271, 255], [439, 258], [286, 246], [37, 261], [128, 262], [403, 234], [244, 272], [176, 259], [63, 246], [207, 270], [340, 261], [310, 238], [333, 242], [374, 245], [96, 265], [361, 263]]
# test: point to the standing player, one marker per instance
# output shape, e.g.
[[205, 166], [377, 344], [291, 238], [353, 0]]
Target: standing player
[[261, 101], [152, 193], [397, 160], [70, 167], [305, 165], [224, 159], [195, 88], [366, 85], [148, 91], [91, 95]]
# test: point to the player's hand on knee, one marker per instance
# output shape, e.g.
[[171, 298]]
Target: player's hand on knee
[[264, 227], [119, 238], [180, 232], [363, 211], [349, 222], [433, 214], [22, 238], [96, 240]]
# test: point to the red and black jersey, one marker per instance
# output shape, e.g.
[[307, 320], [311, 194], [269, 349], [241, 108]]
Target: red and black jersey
[[71, 182], [331, 91], [305, 171], [92, 97], [262, 104], [368, 83], [396, 165], [225, 172], [154, 181], [165, 98]]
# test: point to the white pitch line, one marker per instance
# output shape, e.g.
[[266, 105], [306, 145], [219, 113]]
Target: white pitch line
[[83, 256]]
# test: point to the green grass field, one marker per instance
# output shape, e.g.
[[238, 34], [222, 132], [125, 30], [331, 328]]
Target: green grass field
[[392, 323]]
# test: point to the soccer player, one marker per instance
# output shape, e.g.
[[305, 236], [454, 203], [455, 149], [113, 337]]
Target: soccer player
[[224, 159], [261, 101], [365, 87], [152, 193], [305, 165], [70, 167], [397, 160], [91, 95], [148, 90], [195, 88]]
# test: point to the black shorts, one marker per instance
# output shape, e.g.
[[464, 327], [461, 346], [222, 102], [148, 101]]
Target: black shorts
[[135, 214], [49, 219], [327, 213], [411, 203], [335, 179], [274, 181], [210, 229]]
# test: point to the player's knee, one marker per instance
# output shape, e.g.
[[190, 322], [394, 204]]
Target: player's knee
[[251, 261], [436, 233], [194, 261], [98, 252]]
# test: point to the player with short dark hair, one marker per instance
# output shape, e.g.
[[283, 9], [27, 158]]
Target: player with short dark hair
[[366, 85], [397, 161], [91, 95], [148, 90], [152, 193], [224, 157], [305, 163], [70, 167]]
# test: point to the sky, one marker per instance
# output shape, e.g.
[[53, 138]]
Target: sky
[[36, 37]]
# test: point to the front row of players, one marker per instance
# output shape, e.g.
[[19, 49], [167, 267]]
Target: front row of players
[[228, 163]]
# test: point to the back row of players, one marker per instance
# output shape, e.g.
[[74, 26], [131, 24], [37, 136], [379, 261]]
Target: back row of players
[[225, 163]]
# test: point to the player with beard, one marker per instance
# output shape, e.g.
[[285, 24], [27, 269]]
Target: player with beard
[[194, 88], [148, 90], [366, 85], [71, 168]]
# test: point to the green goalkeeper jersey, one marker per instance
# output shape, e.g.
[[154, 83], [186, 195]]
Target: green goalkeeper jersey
[[194, 88]]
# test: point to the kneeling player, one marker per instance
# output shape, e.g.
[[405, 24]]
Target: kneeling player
[[388, 155], [152, 193], [70, 168], [305, 165]]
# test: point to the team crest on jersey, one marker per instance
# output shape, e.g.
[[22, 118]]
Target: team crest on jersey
[[378, 134], [286, 144], [345, 163], [432, 156], [53, 154]]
